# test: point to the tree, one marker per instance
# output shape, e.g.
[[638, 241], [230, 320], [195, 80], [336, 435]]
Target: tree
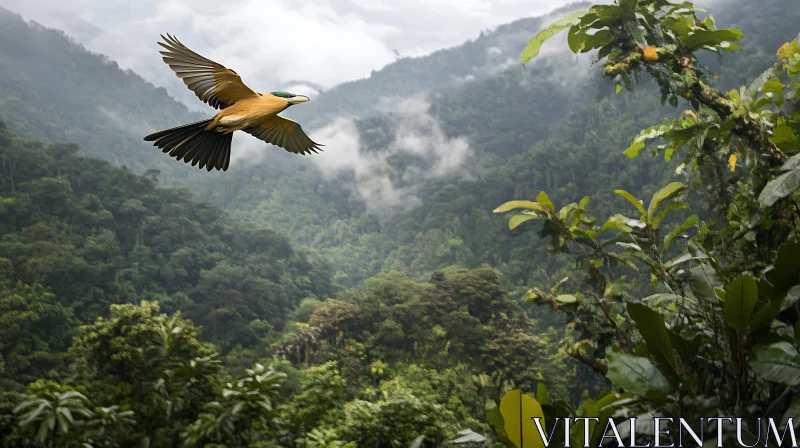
[[241, 412], [319, 402], [149, 363], [34, 329], [705, 339], [54, 416]]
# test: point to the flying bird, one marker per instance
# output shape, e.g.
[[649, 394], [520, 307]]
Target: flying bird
[[207, 143]]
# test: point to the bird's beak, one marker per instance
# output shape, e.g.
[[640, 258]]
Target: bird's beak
[[299, 99]]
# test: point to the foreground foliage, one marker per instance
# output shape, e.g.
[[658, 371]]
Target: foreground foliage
[[718, 334]]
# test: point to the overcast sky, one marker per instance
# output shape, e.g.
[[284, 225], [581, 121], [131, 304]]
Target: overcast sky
[[274, 42]]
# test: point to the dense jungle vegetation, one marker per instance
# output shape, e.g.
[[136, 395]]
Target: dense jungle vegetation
[[135, 313]]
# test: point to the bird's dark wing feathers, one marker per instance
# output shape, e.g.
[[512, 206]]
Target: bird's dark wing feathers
[[213, 83], [286, 133]]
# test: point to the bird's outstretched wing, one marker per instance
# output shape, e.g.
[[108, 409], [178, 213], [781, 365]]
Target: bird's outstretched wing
[[286, 133], [214, 84]]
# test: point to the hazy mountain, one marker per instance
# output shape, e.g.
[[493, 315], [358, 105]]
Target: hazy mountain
[[417, 154]]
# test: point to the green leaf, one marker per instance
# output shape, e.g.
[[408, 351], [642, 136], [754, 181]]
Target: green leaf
[[783, 136], [741, 296], [654, 331], [792, 297], [780, 187], [543, 199], [702, 38], [637, 146], [597, 40], [632, 200], [660, 130], [792, 163], [778, 363], [629, 6], [575, 38], [495, 417], [637, 375], [543, 395], [688, 224], [535, 44], [665, 300], [764, 315], [518, 413], [703, 280], [511, 205], [785, 273], [619, 222], [675, 205], [773, 85], [520, 218], [666, 193], [792, 412], [566, 299], [758, 84]]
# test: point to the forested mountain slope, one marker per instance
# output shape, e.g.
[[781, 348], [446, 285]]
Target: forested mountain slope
[[413, 182], [126, 292], [78, 234], [54, 90], [542, 127]]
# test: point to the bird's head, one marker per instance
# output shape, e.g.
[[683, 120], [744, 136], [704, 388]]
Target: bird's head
[[291, 97]]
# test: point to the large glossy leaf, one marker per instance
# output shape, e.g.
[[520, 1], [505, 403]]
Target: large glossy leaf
[[544, 199], [778, 363], [535, 44], [664, 194], [791, 298], [543, 395], [518, 413], [674, 205], [636, 374], [780, 187], [680, 230], [764, 315], [703, 280], [618, 222], [652, 132], [784, 274], [632, 199], [741, 296], [792, 412], [654, 331], [702, 38], [495, 417], [468, 436], [520, 218], [511, 205]]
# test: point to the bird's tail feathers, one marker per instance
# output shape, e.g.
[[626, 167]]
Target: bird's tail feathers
[[192, 143]]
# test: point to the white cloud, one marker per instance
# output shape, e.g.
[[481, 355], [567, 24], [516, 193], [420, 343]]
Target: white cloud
[[273, 42], [415, 132]]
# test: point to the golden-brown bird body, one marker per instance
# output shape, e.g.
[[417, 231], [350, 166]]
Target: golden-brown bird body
[[248, 112]]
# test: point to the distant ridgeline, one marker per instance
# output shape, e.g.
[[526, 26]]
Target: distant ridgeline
[[528, 129], [54, 90]]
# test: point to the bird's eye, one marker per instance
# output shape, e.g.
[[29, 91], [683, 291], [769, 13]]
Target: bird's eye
[[287, 95]]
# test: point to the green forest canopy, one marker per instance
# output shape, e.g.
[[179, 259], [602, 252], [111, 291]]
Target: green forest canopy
[[152, 318]]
